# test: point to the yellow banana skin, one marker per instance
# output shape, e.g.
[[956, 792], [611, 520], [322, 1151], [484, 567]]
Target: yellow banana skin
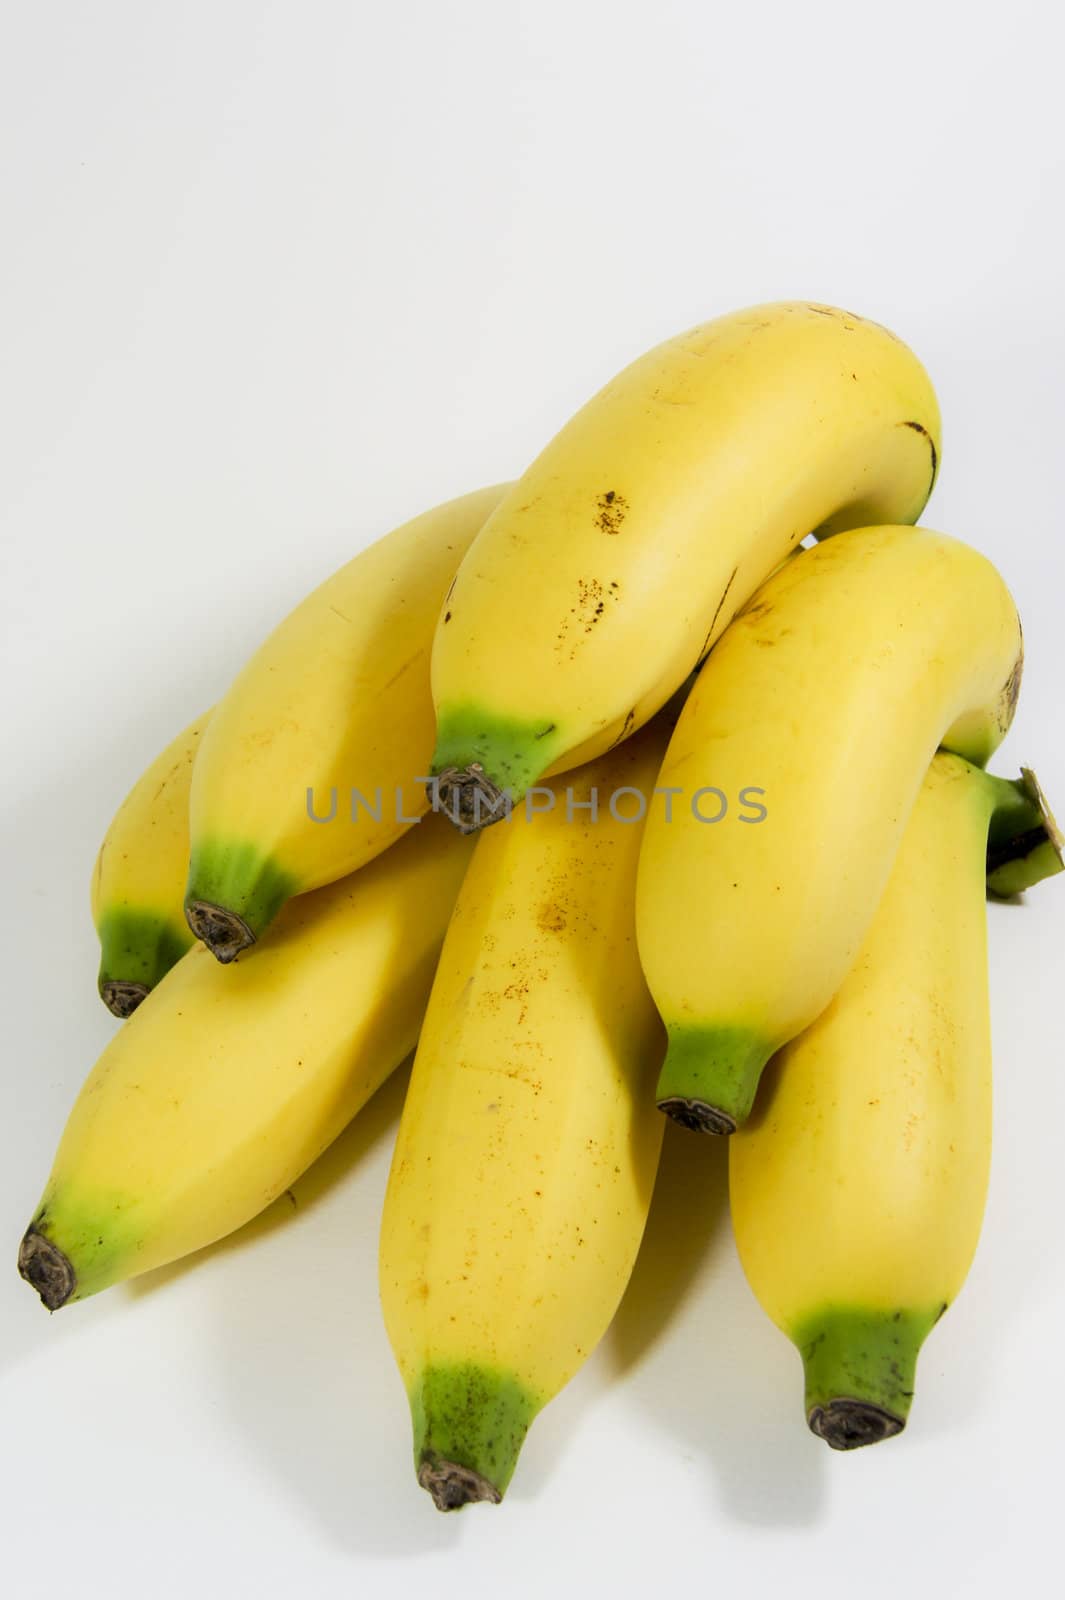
[[528, 1145], [830, 693], [225, 1086], [138, 883], [337, 699], [612, 566], [858, 1186]]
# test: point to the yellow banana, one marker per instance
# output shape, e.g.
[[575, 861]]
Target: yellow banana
[[331, 719], [138, 882], [822, 706], [528, 1145], [225, 1085], [610, 568], [858, 1186]]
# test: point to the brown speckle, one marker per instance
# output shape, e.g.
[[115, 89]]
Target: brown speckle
[[551, 917], [612, 511]]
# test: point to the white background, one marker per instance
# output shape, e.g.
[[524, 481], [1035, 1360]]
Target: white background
[[275, 277]]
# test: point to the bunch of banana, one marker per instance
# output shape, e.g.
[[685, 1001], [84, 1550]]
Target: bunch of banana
[[789, 860]]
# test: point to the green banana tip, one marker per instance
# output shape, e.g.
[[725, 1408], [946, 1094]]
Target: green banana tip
[[859, 1365], [470, 1419], [710, 1075], [45, 1268]]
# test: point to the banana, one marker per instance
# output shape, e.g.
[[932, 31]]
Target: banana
[[528, 1145], [822, 706], [858, 1187], [225, 1086], [611, 567], [309, 767], [138, 882]]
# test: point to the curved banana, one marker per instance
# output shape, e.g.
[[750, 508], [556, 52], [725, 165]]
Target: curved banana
[[858, 1186], [225, 1086], [528, 1146], [611, 567], [310, 764], [138, 882], [826, 699]]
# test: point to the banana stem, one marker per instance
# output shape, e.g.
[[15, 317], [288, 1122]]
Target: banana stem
[[222, 931], [469, 797], [122, 998], [46, 1269], [1024, 842]]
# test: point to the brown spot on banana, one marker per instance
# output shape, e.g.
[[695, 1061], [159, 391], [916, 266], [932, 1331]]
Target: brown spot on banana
[[612, 511], [705, 650], [920, 428], [630, 718], [1011, 689]]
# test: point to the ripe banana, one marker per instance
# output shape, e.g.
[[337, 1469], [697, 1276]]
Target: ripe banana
[[225, 1086], [528, 1146], [139, 879], [331, 716], [610, 568], [828, 695], [858, 1187]]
